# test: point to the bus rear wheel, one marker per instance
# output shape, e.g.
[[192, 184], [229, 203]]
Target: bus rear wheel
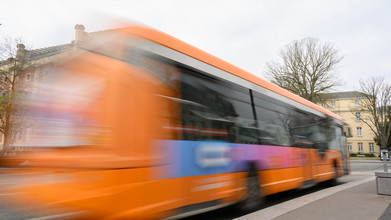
[[253, 197]]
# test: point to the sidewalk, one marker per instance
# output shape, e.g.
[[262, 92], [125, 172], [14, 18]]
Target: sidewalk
[[354, 200]]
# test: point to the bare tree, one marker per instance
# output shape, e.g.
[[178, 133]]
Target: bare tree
[[13, 69], [307, 68], [377, 101]]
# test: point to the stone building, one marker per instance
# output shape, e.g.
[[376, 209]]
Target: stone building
[[360, 138], [40, 62]]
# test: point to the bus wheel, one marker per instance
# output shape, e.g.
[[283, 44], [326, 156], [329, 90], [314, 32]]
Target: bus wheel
[[334, 181], [253, 198]]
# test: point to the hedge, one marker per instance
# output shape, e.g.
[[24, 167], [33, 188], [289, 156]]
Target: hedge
[[362, 154]]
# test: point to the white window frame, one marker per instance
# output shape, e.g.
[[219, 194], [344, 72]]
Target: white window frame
[[360, 147], [359, 131], [358, 116], [350, 147], [357, 102], [333, 104], [371, 147]]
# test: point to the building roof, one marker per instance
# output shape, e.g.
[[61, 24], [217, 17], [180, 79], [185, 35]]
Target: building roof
[[53, 50], [49, 51], [42, 52], [344, 95]]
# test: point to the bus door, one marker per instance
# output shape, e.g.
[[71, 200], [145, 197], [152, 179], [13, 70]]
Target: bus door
[[307, 165], [307, 158], [320, 157]]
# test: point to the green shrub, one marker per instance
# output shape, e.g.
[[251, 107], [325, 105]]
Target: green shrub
[[362, 154]]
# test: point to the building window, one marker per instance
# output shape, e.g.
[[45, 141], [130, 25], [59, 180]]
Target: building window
[[357, 102], [359, 131], [350, 147], [20, 135], [371, 147], [358, 116], [333, 104], [360, 148], [323, 104], [349, 132]]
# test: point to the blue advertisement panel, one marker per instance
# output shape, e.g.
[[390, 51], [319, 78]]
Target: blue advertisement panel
[[195, 158]]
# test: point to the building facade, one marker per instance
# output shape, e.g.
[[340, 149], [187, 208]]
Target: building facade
[[38, 63], [360, 138]]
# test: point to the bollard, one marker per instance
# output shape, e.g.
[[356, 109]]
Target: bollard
[[385, 158]]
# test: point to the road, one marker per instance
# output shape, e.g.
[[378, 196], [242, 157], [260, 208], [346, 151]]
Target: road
[[366, 165], [361, 169]]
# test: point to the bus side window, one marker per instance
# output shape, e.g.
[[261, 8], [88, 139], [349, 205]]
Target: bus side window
[[226, 114], [273, 121]]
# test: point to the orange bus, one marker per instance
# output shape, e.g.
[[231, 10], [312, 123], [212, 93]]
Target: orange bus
[[140, 125]]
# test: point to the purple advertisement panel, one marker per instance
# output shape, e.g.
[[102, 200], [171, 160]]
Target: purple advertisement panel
[[196, 158]]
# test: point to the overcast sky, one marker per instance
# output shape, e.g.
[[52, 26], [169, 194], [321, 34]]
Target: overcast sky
[[245, 33]]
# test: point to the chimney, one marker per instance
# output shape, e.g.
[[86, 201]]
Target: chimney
[[21, 51], [80, 34]]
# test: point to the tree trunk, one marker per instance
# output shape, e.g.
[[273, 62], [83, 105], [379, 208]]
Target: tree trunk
[[7, 141]]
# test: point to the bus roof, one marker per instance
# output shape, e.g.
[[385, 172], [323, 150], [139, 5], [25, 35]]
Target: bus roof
[[189, 50]]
